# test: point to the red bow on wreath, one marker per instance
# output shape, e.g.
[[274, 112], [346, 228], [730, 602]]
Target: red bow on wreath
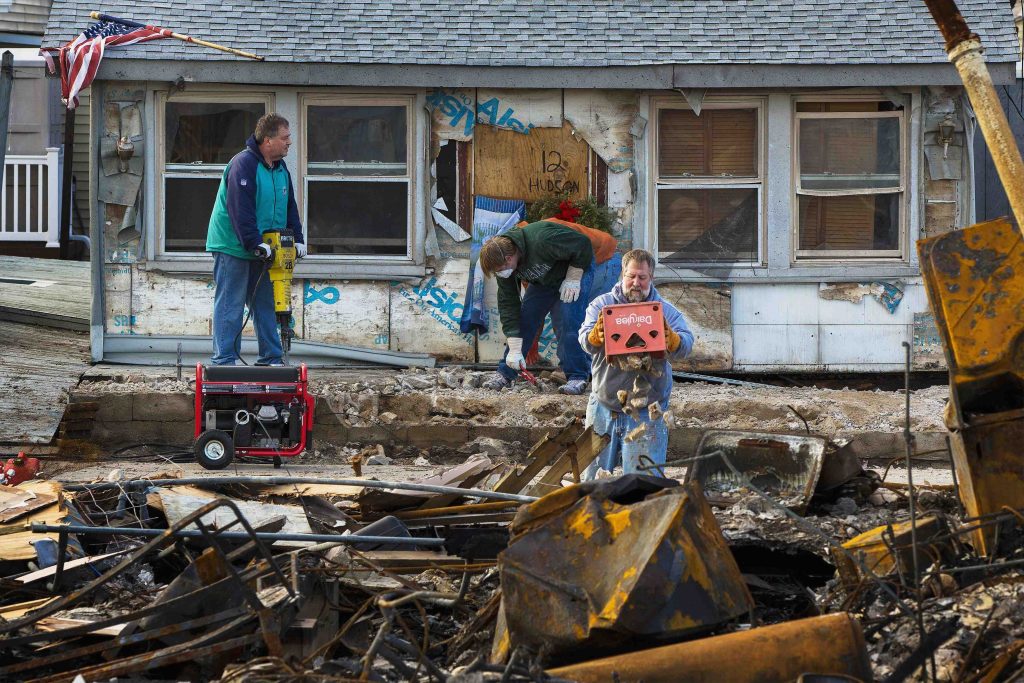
[[567, 212]]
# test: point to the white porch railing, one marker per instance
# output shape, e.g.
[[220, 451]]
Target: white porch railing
[[30, 198]]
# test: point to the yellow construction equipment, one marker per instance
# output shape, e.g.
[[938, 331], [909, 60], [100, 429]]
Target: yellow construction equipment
[[281, 267], [975, 283]]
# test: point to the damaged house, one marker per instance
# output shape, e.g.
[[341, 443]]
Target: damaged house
[[780, 158]]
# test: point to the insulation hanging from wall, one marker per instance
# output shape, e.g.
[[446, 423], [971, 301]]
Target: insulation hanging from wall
[[604, 119], [452, 113]]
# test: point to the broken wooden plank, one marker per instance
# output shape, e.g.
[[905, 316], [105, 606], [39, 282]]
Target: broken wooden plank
[[15, 540], [82, 561], [61, 623], [583, 451], [413, 559], [20, 609], [16, 501], [386, 499], [543, 453]]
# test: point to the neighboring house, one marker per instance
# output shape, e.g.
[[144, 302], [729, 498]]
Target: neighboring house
[[780, 157], [30, 201]]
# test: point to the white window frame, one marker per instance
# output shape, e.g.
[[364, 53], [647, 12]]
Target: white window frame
[[411, 178], [804, 256], [708, 182], [188, 170]]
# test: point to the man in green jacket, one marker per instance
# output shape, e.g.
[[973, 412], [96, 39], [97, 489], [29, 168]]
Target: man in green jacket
[[255, 196], [558, 264]]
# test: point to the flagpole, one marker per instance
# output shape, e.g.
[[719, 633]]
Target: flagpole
[[171, 34]]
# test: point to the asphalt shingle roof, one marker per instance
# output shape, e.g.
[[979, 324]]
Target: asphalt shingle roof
[[544, 33]]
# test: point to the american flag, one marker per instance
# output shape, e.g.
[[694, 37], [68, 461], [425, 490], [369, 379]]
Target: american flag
[[80, 59]]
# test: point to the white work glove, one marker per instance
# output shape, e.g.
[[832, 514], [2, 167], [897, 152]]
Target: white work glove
[[264, 252], [514, 358], [300, 249], [570, 289]]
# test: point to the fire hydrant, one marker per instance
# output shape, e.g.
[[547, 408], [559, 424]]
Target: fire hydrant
[[19, 469]]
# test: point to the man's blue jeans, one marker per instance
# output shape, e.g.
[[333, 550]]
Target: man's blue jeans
[[567, 319], [237, 281], [650, 448]]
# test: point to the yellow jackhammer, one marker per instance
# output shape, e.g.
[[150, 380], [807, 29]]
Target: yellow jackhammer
[[281, 266]]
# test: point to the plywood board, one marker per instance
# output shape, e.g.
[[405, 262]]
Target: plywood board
[[45, 291], [346, 312], [425, 315], [604, 118], [16, 501], [18, 546], [530, 167], [708, 312], [519, 110], [40, 367]]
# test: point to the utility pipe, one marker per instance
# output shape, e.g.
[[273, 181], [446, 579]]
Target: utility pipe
[[965, 52], [82, 530], [278, 481]]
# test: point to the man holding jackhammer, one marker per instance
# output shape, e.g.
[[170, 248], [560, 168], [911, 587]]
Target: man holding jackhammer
[[558, 263], [629, 400], [255, 196]]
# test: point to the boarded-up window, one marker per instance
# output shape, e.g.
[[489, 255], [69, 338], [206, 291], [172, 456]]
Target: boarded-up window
[[709, 184], [200, 136], [850, 183]]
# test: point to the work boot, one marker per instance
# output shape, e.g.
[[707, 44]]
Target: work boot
[[497, 382], [574, 387]]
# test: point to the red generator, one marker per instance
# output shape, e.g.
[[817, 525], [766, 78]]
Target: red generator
[[251, 412], [633, 328]]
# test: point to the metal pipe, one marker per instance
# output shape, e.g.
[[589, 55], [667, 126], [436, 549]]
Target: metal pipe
[[278, 481], [908, 440], [965, 52], [82, 530]]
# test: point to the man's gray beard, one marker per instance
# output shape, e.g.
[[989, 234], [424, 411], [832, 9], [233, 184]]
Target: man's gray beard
[[635, 296]]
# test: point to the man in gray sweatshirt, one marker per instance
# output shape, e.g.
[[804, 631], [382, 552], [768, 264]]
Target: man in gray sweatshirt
[[648, 386]]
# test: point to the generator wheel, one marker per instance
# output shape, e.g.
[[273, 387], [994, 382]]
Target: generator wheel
[[214, 449], [277, 462]]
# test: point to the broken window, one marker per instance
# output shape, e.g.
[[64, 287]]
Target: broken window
[[357, 175], [850, 179], [200, 135], [709, 181]]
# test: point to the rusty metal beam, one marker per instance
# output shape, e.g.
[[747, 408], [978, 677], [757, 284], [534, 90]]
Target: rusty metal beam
[[120, 641], [966, 53], [64, 601], [772, 653]]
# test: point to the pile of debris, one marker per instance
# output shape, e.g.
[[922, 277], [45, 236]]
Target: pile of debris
[[773, 544]]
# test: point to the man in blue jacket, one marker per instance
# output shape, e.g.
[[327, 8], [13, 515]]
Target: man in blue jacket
[[648, 388], [255, 196]]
